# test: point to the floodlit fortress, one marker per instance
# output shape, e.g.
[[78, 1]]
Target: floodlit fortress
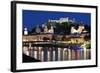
[[61, 20]]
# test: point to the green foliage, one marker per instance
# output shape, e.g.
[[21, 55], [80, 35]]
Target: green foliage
[[88, 46]]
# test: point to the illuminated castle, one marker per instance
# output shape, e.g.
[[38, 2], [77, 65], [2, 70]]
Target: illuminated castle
[[61, 20]]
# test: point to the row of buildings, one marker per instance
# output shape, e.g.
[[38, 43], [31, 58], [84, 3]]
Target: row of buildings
[[81, 28]]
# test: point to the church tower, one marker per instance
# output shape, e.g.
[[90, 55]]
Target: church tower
[[45, 29], [25, 31]]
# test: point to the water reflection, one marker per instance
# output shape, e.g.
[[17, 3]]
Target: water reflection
[[44, 54]]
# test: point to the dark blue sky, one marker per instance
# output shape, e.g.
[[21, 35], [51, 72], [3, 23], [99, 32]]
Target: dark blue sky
[[33, 18]]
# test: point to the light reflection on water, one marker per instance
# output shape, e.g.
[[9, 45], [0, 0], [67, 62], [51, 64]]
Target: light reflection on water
[[58, 54]]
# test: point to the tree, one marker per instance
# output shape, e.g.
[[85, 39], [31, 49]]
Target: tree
[[88, 46]]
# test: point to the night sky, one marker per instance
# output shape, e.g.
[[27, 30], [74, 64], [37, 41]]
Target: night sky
[[33, 18]]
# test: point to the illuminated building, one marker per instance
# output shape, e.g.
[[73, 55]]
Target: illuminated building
[[25, 31]]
